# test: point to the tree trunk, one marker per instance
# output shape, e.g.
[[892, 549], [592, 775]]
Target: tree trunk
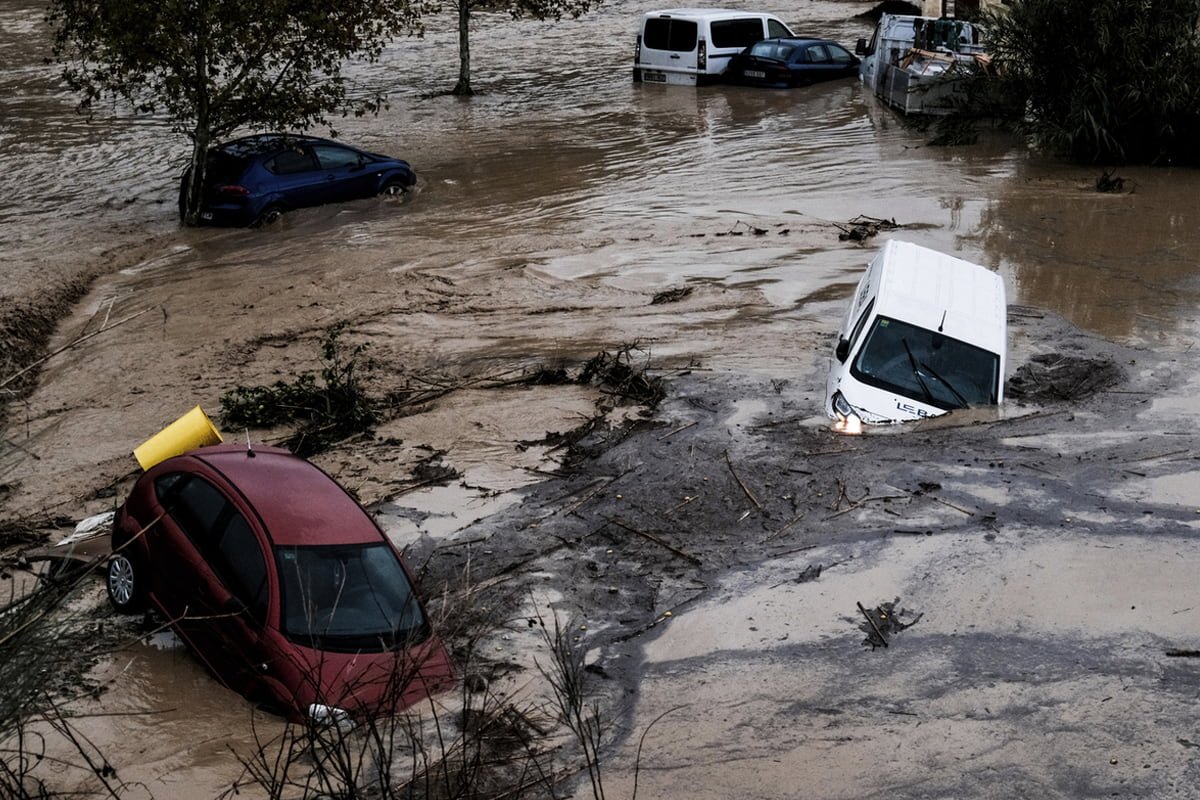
[[463, 86], [192, 182]]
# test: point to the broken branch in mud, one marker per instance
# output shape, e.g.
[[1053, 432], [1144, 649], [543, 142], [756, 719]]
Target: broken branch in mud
[[1183, 653], [948, 504], [776, 534], [575, 506], [67, 347], [856, 504], [651, 537], [883, 640], [24, 450], [663, 617], [687, 499], [742, 483], [792, 551], [677, 430]]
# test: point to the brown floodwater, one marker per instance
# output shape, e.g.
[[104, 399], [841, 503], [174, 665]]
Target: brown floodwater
[[565, 171]]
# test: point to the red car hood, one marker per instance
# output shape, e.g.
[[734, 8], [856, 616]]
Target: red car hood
[[365, 684]]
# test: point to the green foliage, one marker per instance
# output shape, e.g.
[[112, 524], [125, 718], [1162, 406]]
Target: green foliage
[[326, 409], [212, 67], [1103, 80]]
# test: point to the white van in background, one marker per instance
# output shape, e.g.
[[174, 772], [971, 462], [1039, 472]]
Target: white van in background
[[692, 46], [926, 333]]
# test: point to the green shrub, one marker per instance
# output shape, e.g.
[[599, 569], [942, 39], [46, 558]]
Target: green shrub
[[1112, 81], [325, 409]]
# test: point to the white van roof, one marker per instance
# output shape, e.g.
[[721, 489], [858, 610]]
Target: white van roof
[[940, 292], [706, 13]]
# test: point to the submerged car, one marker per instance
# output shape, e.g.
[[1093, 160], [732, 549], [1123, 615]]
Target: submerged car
[[278, 581], [255, 179], [926, 333], [784, 63]]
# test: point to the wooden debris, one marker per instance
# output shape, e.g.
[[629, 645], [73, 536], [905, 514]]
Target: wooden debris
[[874, 626], [862, 228], [741, 483], [652, 538]]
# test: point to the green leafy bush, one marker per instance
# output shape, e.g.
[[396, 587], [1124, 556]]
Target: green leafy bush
[[326, 408], [1113, 81]]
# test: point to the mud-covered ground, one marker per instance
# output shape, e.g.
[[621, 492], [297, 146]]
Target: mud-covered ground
[[713, 552]]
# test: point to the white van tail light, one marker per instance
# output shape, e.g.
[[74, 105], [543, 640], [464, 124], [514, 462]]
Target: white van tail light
[[637, 50], [702, 55]]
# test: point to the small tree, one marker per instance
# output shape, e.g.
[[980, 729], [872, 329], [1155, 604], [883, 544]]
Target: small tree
[[1103, 80], [535, 9], [214, 66]]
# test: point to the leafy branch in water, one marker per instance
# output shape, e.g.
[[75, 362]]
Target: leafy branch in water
[[327, 407]]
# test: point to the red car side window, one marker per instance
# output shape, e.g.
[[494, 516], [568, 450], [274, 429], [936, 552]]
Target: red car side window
[[240, 563], [221, 536]]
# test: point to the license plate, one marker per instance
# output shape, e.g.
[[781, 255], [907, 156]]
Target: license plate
[[754, 73], [654, 77]]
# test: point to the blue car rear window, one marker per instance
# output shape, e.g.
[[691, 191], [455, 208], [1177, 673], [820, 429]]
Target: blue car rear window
[[290, 162], [225, 168]]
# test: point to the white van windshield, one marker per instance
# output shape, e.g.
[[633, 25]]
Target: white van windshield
[[926, 366]]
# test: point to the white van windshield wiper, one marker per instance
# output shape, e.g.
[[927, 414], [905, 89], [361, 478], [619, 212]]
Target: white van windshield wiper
[[947, 384], [916, 368]]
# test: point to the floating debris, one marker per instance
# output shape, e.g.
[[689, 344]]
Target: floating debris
[[671, 295], [1110, 183], [810, 573], [862, 228], [883, 621]]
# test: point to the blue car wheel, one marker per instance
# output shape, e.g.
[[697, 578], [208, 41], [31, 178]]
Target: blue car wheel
[[269, 216], [393, 187]]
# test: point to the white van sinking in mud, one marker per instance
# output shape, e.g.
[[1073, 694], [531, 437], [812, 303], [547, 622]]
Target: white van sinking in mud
[[692, 46], [926, 333]]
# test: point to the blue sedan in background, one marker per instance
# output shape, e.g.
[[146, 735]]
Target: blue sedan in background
[[784, 63], [255, 179]]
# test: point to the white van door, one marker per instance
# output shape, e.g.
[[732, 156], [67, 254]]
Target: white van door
[[667, 51], [728, 37]]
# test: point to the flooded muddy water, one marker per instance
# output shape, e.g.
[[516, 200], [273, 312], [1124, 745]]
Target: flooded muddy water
[[550, 209]]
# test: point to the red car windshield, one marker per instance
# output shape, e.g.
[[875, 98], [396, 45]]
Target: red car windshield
[[348, 598]]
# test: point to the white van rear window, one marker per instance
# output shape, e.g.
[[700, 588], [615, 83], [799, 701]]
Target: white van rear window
[[677, 35]]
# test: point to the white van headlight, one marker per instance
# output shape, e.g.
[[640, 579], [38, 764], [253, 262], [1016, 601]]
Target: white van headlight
[[841, 406], [848, 420]]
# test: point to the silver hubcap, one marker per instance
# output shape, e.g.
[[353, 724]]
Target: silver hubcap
[[393, 189], [120, 579]]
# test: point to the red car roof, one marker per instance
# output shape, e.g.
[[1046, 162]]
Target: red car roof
[[297, 502]]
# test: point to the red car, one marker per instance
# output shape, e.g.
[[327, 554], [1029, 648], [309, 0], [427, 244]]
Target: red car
[[278, 580]]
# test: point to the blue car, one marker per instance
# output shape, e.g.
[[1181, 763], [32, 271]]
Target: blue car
[[783, 63], [255, 179]]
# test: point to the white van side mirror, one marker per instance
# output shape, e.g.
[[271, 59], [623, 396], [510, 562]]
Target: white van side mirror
[[860, 48], [842, 350]]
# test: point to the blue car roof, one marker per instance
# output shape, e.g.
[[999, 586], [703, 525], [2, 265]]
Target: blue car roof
[[260, 143], [797, 41]]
